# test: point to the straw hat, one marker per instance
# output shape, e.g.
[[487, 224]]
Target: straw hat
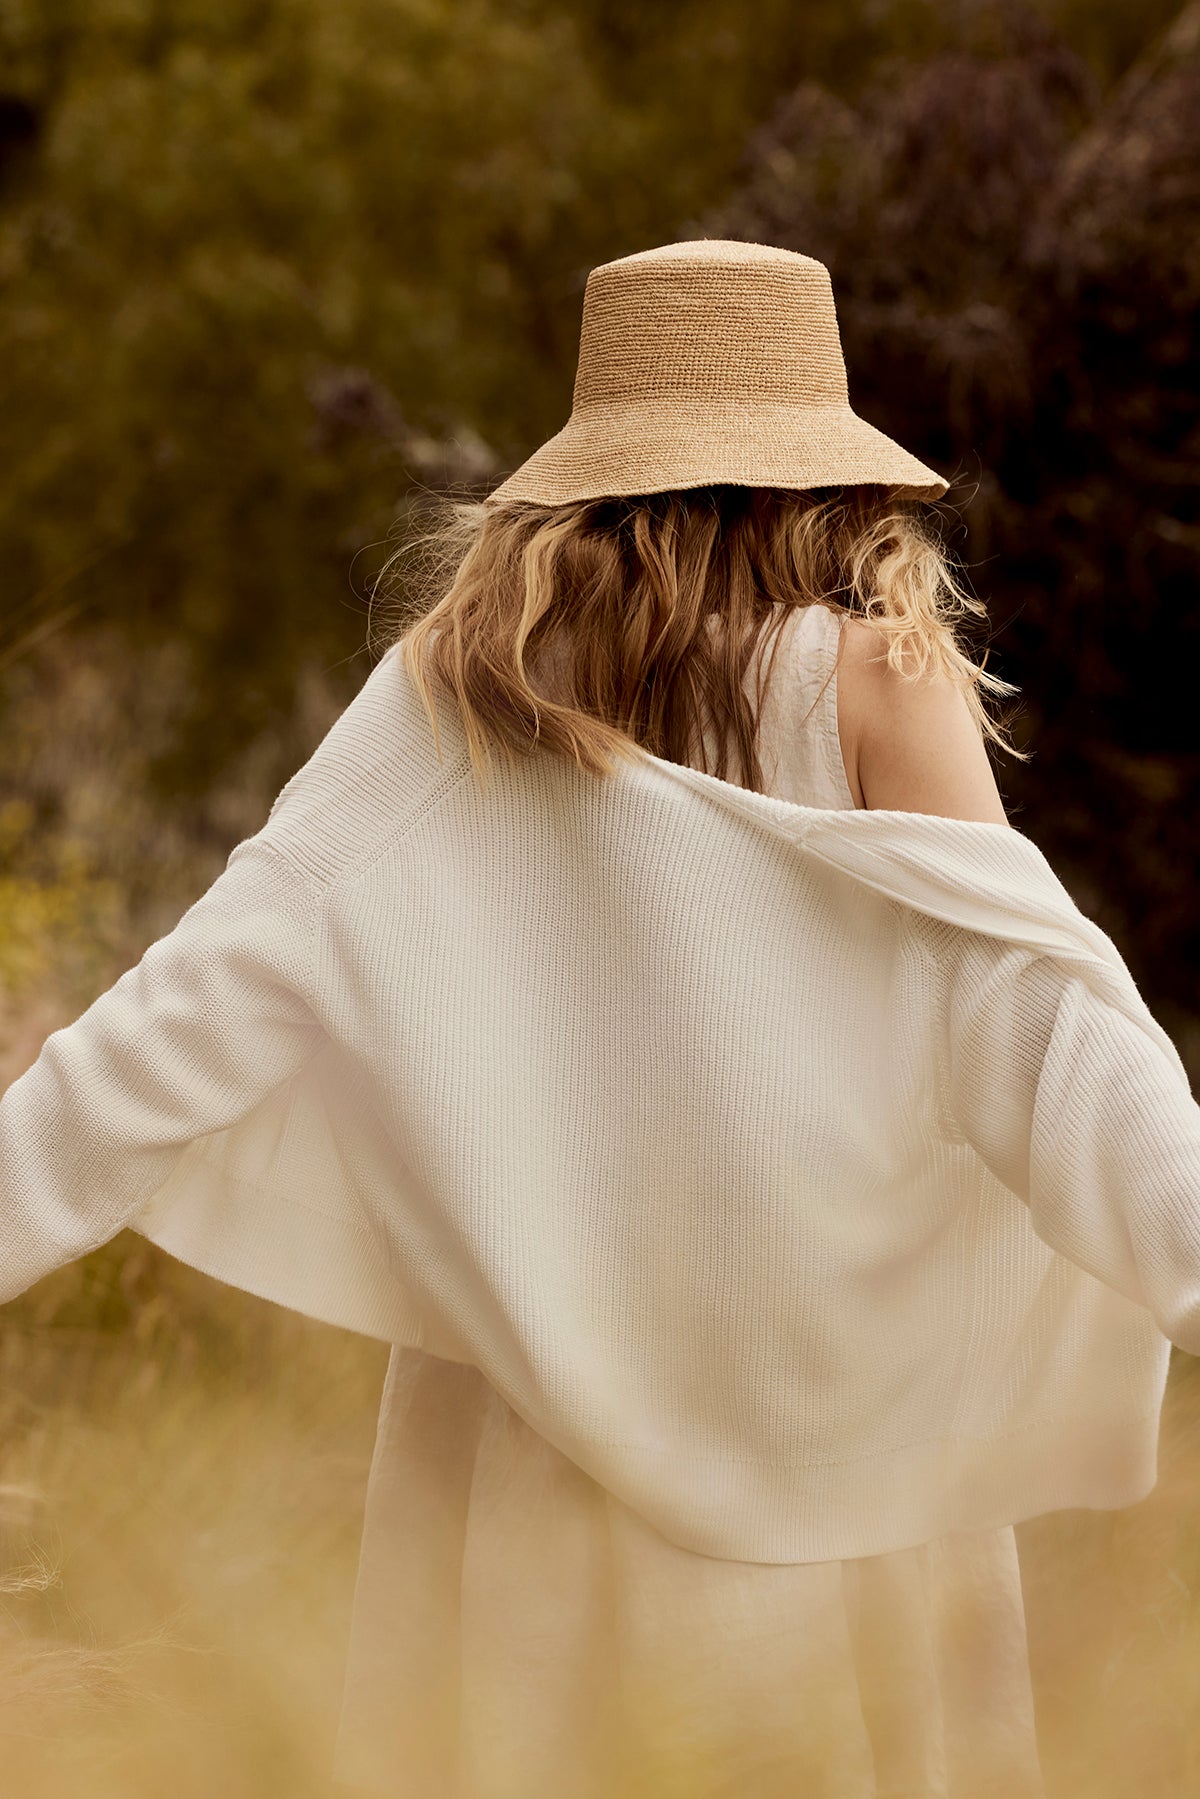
[[711, 361]]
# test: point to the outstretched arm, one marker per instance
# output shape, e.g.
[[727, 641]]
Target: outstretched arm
[[215, 1015], [1075, 1107]]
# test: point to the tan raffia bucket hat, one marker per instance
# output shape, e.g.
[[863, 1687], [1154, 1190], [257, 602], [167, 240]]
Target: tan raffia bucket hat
[[711, 361]]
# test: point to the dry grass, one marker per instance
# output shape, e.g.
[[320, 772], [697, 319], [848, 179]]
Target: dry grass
[[180, 1506], [182, 1467], [1113, 1601]]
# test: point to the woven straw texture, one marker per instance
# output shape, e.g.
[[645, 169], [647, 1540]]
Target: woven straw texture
[[711, 361]]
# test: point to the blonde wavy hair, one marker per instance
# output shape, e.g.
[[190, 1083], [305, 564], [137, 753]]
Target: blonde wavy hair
[[651, 608]]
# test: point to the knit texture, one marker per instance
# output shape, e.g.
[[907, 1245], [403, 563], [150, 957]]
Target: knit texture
[[816, 1180], [711, 361]]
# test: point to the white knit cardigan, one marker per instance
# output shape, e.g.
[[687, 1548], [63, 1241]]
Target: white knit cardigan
[[818, 1181]]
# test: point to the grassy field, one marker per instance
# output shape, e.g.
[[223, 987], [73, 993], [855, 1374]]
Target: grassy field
[[180, 1502]]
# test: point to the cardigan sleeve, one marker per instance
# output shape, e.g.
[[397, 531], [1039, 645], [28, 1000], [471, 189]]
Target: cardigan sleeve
[[1077, 1109], [214, 1016]]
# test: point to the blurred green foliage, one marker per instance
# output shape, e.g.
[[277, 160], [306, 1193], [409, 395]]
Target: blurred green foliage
[[210, 212], [59, 915]]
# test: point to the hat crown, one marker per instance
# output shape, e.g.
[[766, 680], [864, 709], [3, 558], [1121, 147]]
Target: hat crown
[[711, 362], [711, 319]]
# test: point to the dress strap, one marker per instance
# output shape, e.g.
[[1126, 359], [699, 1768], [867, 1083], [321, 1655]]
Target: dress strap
[[799, 726]]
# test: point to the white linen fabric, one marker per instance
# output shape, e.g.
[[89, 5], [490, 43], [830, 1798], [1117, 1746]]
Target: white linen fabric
[[520, 1633]]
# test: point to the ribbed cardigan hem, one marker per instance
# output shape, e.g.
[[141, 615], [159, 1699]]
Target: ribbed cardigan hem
[[757, 1512], [747, 1510]]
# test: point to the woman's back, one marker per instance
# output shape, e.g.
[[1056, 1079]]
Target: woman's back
[[839, 728], [520, 1630], [799, 742]]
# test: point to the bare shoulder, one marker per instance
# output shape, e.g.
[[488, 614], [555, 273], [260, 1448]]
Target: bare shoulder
[[909, 745]]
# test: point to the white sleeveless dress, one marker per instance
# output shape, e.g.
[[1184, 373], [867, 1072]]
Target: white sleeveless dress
[[519, 1633]]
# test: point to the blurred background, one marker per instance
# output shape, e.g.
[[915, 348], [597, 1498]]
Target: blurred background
[[271, 270]]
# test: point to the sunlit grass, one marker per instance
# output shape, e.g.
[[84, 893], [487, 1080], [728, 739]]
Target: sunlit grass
[[182, 1467], [1113, 1600], [179, 1519], [180, 1508]]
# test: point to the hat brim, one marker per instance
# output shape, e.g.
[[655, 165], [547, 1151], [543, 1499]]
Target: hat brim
[[610, 450]]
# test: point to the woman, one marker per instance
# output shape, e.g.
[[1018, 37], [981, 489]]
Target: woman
[[773, 1187]]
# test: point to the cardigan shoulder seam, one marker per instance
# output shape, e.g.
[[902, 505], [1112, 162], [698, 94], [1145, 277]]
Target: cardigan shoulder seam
[[280, 854], [947, 1117], [913, 944], [456, 771], [288, 845]]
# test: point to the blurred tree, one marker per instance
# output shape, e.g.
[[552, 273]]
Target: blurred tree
[[213, 218], [1017, 271], [231, 203]]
